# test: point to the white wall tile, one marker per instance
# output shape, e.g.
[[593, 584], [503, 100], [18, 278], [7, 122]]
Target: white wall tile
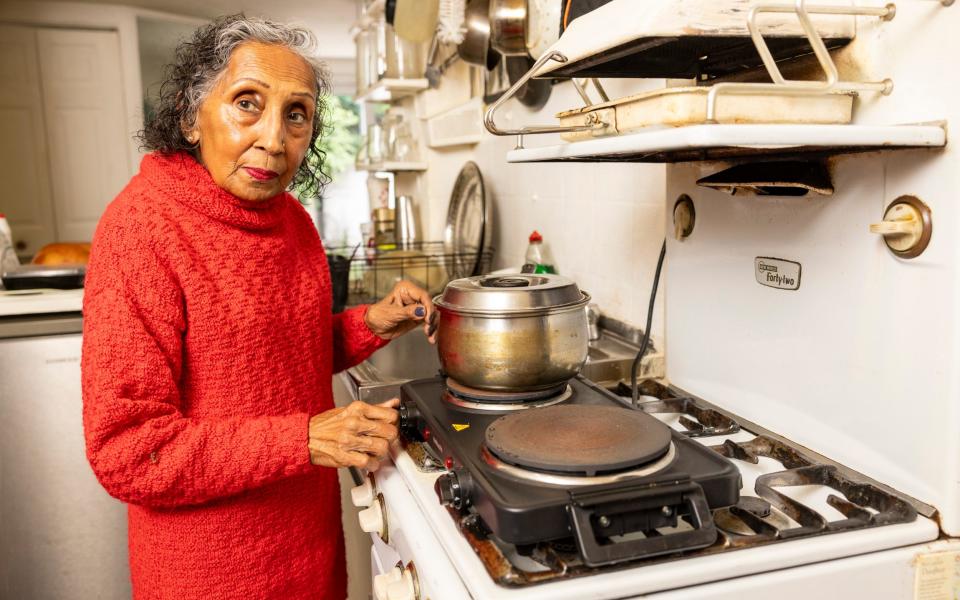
[[603, 223]]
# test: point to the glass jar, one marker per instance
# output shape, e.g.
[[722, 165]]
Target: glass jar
[[404, 59], [375, 144]]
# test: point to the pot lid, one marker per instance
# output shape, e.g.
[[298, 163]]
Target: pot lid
[[510, 293]]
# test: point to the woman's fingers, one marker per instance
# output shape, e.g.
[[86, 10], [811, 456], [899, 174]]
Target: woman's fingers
[[378, 429], [431, 327], [356, 436], [360, 460], [375, 446], [386, 411], [408, 294]]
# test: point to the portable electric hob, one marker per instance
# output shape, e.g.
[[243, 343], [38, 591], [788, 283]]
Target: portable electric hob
[[571, 462]]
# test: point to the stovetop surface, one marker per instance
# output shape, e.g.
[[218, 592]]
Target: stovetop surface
[[788, 492]]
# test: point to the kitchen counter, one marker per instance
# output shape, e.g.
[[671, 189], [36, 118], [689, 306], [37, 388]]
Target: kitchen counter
[[44, 301]]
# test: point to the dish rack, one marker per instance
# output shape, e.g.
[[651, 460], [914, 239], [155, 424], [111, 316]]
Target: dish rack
[[365, 275]]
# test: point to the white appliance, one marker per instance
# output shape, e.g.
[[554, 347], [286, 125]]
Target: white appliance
[[61, 535], [846, 349]]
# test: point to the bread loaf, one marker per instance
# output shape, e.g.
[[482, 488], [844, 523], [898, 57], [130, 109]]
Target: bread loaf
[[63, 253]]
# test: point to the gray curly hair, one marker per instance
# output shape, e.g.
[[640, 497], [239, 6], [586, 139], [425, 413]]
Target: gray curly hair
[[202, 60]]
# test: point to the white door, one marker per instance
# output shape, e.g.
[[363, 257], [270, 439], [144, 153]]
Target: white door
[[25, 192], [86, 130]]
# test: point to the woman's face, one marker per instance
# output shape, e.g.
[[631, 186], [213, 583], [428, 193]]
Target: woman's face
[[254, 127]]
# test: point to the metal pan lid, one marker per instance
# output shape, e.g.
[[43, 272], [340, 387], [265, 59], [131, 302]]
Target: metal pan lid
[[515, 293]]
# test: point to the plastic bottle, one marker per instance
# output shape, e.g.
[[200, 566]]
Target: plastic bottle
[[537, 258], [8, 256]]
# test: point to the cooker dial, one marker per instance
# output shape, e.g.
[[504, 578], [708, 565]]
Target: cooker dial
[[906, 227], [382, 581], [373, 519], [407, 587], [684, 217], [364, 494]]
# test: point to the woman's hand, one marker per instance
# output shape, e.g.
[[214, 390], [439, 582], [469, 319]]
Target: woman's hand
[[357, 435], [403, 309]]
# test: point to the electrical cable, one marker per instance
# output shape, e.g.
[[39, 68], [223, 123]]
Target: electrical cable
[[635, 368]]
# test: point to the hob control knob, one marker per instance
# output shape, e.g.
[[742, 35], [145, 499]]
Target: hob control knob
[[409, 421], [449, 490], [383, 580], [405, 589], [364, 494], [373, 519]]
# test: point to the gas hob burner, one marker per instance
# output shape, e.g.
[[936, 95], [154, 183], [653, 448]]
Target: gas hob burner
[[579, 440], [477, 399], [697, 419]]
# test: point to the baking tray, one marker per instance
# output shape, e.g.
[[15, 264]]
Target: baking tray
[[58, 277], [680, 106]]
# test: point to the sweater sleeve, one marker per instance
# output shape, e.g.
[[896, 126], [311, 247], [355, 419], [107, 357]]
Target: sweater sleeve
[[353, 341], [141, 446]]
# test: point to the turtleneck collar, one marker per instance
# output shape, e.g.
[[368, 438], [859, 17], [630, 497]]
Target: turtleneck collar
[[182, 178]]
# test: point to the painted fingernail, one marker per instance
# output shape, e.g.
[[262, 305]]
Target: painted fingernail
[[421, 311]]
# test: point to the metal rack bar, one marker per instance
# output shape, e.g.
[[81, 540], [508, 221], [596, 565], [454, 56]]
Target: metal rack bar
[[796, 87], [489, 118]]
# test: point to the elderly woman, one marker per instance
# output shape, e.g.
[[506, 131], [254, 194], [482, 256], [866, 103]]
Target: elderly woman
[[209, 342]]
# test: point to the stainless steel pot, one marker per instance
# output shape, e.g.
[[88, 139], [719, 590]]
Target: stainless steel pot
[[512, 332]]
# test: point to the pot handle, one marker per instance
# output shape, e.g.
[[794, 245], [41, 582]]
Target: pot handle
[[606, 514]]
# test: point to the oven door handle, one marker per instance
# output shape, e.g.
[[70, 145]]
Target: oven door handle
[[588, 512]]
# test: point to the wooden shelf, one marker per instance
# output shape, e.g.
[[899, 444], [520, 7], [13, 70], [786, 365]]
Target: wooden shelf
[[721, 142], [387, 90], [393, 166]]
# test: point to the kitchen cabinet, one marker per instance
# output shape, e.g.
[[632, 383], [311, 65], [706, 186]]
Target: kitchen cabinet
[[26, 196], [63, 131]]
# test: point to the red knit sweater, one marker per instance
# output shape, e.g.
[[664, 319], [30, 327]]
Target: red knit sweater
[[208, 342]]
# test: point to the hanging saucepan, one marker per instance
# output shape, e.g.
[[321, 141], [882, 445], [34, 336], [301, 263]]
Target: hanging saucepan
[[535, 93], [508, 27], [495, 81], [475, 48], [512, 332]]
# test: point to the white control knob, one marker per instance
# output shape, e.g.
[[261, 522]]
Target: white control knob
[[383, 580], [405, 589], [372, 519], [906, 227], [364, 494]]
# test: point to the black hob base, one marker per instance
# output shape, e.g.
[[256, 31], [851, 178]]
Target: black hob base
[[611, 521]]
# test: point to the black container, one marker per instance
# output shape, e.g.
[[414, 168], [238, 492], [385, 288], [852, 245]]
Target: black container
[[339, 280]]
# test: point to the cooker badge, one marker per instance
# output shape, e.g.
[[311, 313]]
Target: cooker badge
[[777, 273]]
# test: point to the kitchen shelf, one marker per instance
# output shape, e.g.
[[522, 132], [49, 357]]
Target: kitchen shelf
[[387, 90], [393, 166], [719, 142]]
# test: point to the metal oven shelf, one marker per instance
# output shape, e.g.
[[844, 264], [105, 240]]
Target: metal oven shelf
[[719, 142]]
